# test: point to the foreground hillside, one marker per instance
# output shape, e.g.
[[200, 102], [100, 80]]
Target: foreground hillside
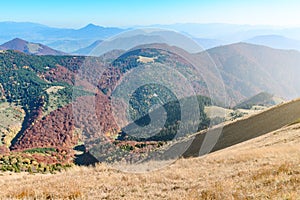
[[246, 128], [267, 167]]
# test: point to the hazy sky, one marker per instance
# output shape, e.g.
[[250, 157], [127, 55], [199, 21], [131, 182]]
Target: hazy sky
[[78, 13]]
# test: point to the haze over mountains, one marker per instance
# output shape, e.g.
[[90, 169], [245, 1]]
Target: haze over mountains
[[63, 39], [206, 35], [252, 68], [275, 41]]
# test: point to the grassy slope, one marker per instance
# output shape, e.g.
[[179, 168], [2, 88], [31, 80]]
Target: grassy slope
[[267, 167], [261, 99], [230, 114], [11, 117], [249, 127]]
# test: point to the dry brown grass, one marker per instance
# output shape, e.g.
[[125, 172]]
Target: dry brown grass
[[54, 89], [144, 59], [267, 167]]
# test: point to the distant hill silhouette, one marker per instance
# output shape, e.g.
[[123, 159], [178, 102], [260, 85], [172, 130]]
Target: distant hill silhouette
[[275, 41], [29, 47], [261, 99], [248, 69], [87, 50]]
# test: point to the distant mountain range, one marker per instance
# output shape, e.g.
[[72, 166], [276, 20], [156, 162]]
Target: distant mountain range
[[206, 35], [230, 33], [63, 39], [275, 41], [131, 39], [173, 38], [29, 47]]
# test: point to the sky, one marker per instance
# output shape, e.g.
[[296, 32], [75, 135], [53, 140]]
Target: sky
[[78, 13]]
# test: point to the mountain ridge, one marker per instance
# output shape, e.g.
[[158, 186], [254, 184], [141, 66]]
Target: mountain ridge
[[256, 68], [275, 41], [211, 34], [53, 36]]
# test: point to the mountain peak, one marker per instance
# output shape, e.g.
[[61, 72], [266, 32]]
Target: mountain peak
[[18, 40], [15, 44], [90, 26]]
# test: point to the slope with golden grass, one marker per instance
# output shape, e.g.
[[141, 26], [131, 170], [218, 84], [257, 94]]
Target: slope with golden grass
[[246, 128], [267, 167]]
